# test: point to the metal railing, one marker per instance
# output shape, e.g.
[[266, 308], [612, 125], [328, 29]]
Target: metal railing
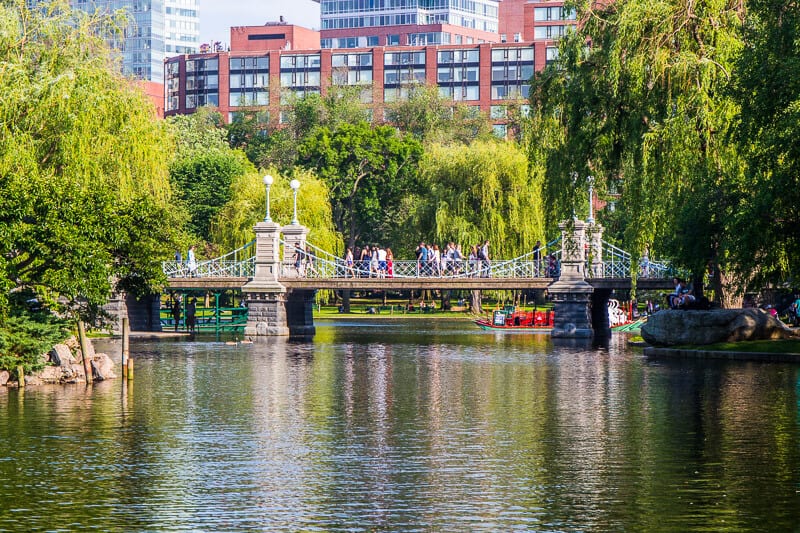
[[319, 263], [239, 263]]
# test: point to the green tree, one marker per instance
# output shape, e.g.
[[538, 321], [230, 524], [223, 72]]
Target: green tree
[[201, 130], [646, 110], [204, 166], [432, 118], [203, 180], [81, 161], [481, 191], [768, 90], [232, 227], [369, 172]]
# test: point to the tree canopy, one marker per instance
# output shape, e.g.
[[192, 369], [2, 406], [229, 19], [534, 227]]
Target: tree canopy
[[232, 227], [768, 90], [369, 172], [478, 192], [85, 198], [431, 118], [646, 109]]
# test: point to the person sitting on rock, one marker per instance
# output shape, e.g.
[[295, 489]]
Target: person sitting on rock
[[674, 297], [686, 299]]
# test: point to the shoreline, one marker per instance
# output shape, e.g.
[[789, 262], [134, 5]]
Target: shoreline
[[699, 353]]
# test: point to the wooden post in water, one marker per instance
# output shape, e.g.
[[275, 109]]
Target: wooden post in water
[[87, 364], [125, 346], [130, 369], [21, 376]]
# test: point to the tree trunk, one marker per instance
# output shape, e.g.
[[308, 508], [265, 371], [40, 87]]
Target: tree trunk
[[475, 302], [446, 305], [345, 301], [729, 292]]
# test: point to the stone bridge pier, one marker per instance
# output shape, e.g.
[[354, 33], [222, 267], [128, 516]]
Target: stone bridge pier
[[271, 309], [581, 311]]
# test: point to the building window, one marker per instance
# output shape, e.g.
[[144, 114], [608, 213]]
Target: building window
[[460, 92], [500, 130], [498, 112]]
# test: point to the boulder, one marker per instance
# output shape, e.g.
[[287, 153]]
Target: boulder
[[73, 344], [61, 355], [675, 327], [103, 367], [4, 377], [51, 374]]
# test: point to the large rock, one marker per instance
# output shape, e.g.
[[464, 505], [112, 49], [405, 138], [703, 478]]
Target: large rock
[[674, 327], [51, 374], [61, 355], [103, 367]]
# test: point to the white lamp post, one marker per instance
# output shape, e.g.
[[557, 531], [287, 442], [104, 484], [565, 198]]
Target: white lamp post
[[268, 183], [294, 184], [590, 179]]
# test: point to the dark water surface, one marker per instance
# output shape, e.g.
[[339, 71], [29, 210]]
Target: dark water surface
[[406, 426]]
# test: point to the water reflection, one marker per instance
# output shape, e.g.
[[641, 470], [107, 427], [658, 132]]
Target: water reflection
[[406, 427]]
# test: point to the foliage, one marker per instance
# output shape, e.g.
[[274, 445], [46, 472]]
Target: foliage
[[232, 228], [300, 116], [646, 111], [202, 181], [768, 90], [24, 337], [432, 118], [81, 156], [198, 131], [482, 191], [369, 171]]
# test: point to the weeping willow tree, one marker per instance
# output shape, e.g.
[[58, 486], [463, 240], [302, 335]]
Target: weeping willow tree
[[232, 228], [85, 199], [478, 192], [646, 110]]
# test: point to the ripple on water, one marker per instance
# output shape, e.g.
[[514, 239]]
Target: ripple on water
[[405, 427]]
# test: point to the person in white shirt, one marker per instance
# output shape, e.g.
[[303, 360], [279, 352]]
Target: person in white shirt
[[191, 262], [381, 262]]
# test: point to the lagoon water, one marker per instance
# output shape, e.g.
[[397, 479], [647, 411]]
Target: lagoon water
[[405, 426]]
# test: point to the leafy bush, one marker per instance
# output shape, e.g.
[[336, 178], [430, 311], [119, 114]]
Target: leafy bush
[[26, 336]]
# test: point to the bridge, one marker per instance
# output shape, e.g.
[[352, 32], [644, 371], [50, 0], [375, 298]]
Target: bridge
[[279, 295]]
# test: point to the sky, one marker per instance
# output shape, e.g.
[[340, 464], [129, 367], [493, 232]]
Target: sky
[[217, 16]]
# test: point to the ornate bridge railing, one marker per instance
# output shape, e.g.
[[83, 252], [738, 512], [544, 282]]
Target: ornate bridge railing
[[239, 263], [617, 264], [322, 264]]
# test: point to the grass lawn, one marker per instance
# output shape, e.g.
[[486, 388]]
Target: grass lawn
[[766, 346], [398, 309]]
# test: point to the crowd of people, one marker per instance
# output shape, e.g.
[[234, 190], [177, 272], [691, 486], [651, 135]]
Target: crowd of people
[[433, 260]]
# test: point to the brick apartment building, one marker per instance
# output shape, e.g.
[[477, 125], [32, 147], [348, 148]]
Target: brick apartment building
[[267, 65]]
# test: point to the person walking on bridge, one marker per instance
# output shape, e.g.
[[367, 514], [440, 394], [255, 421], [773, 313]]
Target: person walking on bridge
[[298, 259], [191, 262], [348, 263], [483, 255], [422, 259]]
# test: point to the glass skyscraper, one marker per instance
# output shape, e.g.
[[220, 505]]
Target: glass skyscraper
[[474, 14], [158, 29]]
